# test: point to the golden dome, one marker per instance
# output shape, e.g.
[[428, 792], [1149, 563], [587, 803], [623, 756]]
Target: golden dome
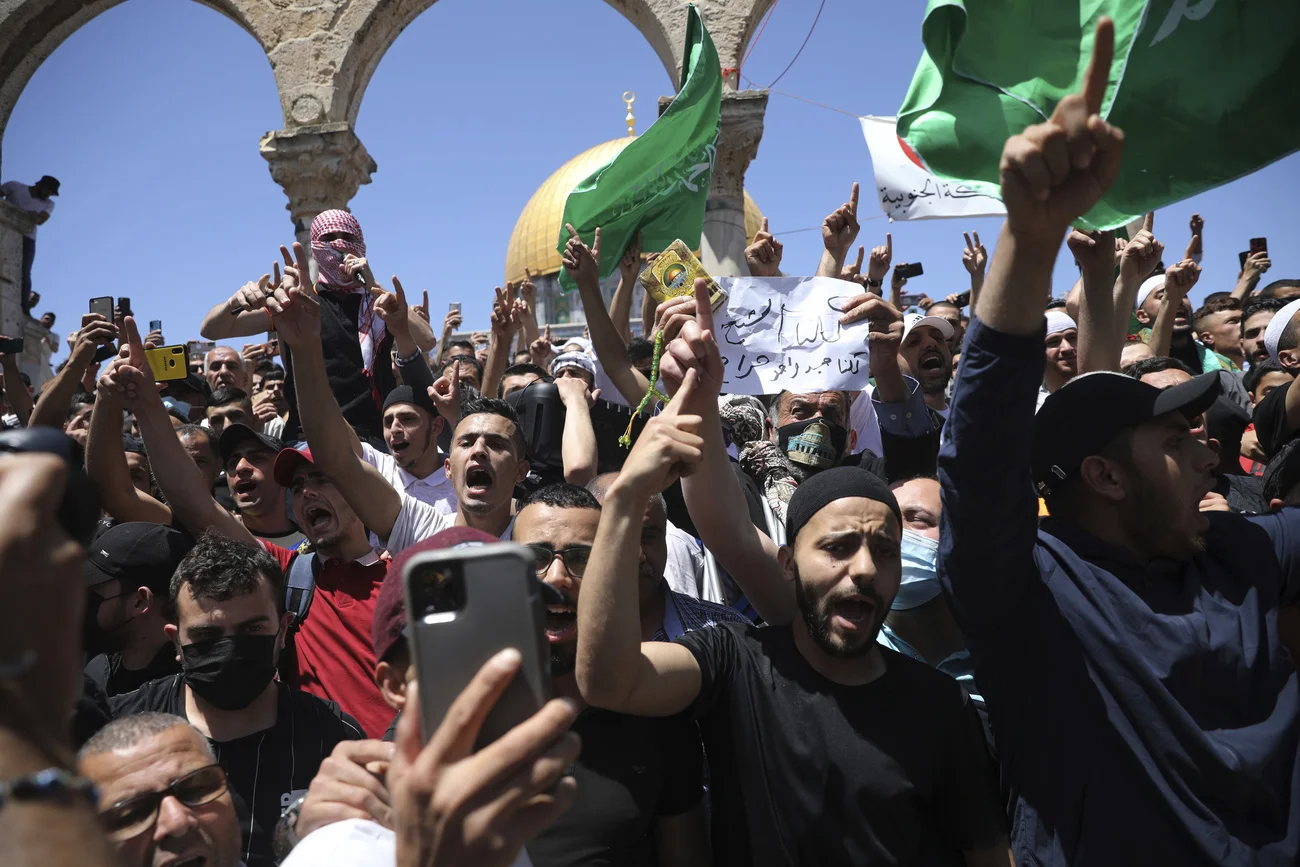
[[532, 243]]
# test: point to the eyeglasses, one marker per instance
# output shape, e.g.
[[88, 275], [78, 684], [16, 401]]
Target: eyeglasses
[[574, 558], [134, 816]]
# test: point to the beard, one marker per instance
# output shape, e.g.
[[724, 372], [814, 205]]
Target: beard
[[564, 658], [1154, 516], [816, 615]]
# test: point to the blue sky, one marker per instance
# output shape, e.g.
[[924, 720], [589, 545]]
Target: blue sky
[[150, 116]]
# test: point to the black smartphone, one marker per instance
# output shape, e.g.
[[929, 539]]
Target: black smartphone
[[463, 606], [11, 345], [1259, 245], [909, 270], [1241, 257], [124, 307], [963, 299], [155, 325], [103, 306]]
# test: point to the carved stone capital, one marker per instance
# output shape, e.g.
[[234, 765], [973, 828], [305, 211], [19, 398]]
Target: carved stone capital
[[319, 167], [739, 132]]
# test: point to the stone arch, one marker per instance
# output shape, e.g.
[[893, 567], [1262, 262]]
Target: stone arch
[[31, 30]]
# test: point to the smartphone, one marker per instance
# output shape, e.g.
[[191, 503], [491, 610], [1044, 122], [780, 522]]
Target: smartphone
[[1259, 245], [453, 307], [103, 306], [168, 362], [463, 606], [124, 307], [272, 347], [909, 301], [11, 345], [1241, 257], [155, 325], [911, 269]]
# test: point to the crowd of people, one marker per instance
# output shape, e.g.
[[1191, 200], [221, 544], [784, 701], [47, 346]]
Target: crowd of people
[[1030, 597]]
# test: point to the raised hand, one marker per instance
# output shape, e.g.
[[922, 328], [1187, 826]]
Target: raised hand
[[392, 307], [253, 354], [1053, 172], [542, 349], [251, 296], [673, 314], [629, 266], [445, 394], [294, 306], [451, 321], [582, 262], [897, 281], [840, 228], [878, 263], [129, 377], [669, 446], [974, 258], [1256, 264], [1141, 254], [1094, 252], [504, 319], [528, 289], [1180, 278], [694, 348], [95, 331], [764, 255], [155, 339], [885, 331], [573, 390], [1196, 243], [264, 407], [422, 309]]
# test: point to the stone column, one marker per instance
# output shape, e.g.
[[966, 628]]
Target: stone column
[[14, 224], [320, 167], [722, 249]]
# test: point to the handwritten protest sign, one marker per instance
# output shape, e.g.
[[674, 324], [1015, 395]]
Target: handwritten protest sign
[[784, 334], [907, 191]]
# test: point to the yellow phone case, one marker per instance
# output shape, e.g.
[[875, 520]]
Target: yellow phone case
[[168, 362], [673, 273]]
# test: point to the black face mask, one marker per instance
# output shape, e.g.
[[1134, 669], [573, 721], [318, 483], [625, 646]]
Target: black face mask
[[815, 444], [229, 673]]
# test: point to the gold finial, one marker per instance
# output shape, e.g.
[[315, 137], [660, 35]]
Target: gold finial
[[628, 98]]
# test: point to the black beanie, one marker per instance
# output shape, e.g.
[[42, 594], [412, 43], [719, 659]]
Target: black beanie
[[406, 394], [824, 488]]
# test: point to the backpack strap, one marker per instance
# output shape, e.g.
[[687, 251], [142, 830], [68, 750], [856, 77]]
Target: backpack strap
[[301, 584]]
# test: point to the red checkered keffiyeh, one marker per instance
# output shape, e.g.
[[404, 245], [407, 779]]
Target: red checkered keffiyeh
[[330, 277]]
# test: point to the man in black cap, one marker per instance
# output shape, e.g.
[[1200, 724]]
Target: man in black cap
[[1142, 706], [412, 427], [35, 200], [824, 747], [248, 457], [128, 571]]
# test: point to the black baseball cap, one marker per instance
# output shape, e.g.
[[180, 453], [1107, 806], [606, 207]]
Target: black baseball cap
[[1083, 417], [139, 552], [236, 433], [50, 183]]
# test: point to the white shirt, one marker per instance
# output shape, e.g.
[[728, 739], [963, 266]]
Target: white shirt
[[685, 569], [434, 489], [355, 843], [19, 194], [418, 521]]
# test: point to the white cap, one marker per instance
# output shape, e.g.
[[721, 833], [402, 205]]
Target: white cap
[[1058, 321], [912, 320], [1278, 324], [583, 342], [573, 358], [1150, 285]]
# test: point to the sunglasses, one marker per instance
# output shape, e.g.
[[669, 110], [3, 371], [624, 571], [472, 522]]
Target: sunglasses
[[574, 558], [134, 816]]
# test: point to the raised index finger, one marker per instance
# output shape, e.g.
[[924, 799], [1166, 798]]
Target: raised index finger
[[397, 290], [853, 198], [703, 311], [1149, 222], [304, 272], [1098, 74]]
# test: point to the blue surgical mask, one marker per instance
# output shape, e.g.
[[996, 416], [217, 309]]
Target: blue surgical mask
[[920, 581]]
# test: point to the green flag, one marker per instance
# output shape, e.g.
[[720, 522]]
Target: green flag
[[1203, 89], [658, 184]]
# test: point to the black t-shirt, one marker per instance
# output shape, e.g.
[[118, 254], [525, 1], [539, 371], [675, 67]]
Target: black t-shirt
[[631, 770], [358, 396], [267, 770], [807, 771], [107, 671], [1270, 420]]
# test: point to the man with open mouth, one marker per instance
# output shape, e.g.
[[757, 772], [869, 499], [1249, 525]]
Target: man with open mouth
[[249, 458], [926, 356]]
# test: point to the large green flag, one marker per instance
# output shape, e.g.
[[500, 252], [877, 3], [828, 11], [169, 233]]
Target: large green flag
[[658, 184], [1205, 90]]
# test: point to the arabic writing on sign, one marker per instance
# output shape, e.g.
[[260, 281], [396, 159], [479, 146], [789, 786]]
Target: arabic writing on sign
[[898, 200], [784, 334]]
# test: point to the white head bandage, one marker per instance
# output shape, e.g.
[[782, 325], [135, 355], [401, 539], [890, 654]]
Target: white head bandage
[[1278, 324], [1059, 320]]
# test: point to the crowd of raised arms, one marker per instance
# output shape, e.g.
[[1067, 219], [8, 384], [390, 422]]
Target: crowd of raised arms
[[1029, 598]]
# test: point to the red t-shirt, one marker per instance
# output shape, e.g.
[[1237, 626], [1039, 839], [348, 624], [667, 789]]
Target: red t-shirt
[[336, 657]]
